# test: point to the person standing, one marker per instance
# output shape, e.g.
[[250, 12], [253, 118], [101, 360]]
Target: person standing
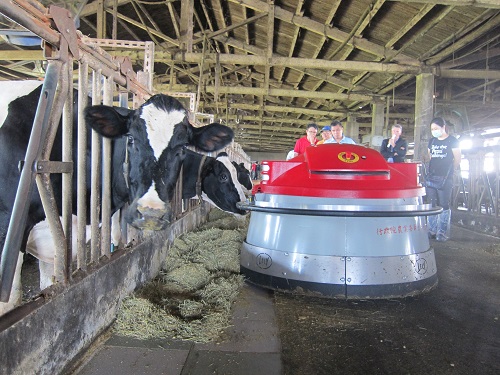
[[306, 141], [445, 157], [338, 134], [326, 134], [254, 171], [394, 149]]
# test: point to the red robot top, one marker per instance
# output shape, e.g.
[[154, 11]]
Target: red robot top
[[340, 171]]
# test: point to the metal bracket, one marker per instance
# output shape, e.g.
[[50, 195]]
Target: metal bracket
[[66, 26], [47, 166], [126, 68]]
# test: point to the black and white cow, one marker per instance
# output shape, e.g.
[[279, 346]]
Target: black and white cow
[[145, 133], [243, 175], [217, 175]]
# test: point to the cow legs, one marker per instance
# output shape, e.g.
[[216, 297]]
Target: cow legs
[[116, 233], [46, 274]]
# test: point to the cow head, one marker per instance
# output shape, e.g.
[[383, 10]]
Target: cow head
[[221, 185], [141, 136], [243, 175], [211, 179]]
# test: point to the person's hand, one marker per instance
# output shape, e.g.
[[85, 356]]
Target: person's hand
[[311, 139], [392, 141]]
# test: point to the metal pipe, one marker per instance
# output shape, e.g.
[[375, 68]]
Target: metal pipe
[[95, 174], [67, 178], [81, 175], [425, 210], [19, 215], [106, 179]]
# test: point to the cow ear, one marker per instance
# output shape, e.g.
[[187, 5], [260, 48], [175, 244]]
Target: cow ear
[[108, 121], [212, 137]]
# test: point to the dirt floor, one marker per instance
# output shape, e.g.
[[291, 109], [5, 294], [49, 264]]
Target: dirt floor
[[454, 329]]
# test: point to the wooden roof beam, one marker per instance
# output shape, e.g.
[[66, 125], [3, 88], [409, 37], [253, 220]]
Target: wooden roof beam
[[465, 40], [310, 71], [230, 59], [330, 32], [357, 31], [493, 4]]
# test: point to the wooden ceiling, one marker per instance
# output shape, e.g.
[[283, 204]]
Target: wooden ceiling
[[268, 68]]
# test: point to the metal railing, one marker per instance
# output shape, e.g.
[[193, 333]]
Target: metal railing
[[477, 190], [110, 80]]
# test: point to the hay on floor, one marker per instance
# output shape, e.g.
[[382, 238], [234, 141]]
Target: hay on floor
[[191, 298]]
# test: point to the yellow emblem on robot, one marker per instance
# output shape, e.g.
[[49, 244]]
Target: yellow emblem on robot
[[348, 157]]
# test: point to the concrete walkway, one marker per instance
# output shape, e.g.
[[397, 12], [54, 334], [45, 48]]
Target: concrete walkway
[[250, 347]]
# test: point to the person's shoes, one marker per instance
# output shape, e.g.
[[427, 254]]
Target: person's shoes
[[432, 236], [441, 238]]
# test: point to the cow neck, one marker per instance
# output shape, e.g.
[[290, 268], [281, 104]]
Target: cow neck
[[198, 179], [186, 182]]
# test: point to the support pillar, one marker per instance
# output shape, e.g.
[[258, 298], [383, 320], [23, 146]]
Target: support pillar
[[186, 25], [352, 128], [424, 112], [378, 122]]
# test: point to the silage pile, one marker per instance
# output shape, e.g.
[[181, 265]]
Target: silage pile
[[192, 297]]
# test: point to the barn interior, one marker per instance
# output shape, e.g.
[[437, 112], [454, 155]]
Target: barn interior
[[268, 68]]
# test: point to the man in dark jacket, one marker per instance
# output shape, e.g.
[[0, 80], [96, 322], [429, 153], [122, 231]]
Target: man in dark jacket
[[394, 149]]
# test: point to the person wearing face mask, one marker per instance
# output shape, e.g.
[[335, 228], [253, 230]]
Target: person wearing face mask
[[394, 149], [445, 156]]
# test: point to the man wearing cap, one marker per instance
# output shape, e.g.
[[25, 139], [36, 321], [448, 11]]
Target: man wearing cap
[[338, 134], [306, 141], [326, 134]]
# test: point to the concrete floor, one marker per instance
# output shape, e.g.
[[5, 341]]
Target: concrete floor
[[250, 347], [454, 329]]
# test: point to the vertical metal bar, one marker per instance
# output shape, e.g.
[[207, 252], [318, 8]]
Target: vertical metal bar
[[95, 175], [20, 210], [81, 175], [123, 102], [149, 53], [106, 178], [67, 178], [44, 182], [58, 230], [497, 182]]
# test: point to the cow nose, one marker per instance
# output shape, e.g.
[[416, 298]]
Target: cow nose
[[153, 218], [149, 218]]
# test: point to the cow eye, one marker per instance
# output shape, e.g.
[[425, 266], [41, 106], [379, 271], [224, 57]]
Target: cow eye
[[223, 177], [130, 139]]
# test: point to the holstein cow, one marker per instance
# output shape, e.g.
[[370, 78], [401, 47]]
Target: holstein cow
[[243, 175], [216, 177], [145, 133]]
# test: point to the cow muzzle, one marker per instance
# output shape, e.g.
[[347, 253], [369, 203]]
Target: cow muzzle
[[148, 218]]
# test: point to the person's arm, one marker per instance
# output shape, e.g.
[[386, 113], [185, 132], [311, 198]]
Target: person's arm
[[296, 149], [401, 148], [385, 151]]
